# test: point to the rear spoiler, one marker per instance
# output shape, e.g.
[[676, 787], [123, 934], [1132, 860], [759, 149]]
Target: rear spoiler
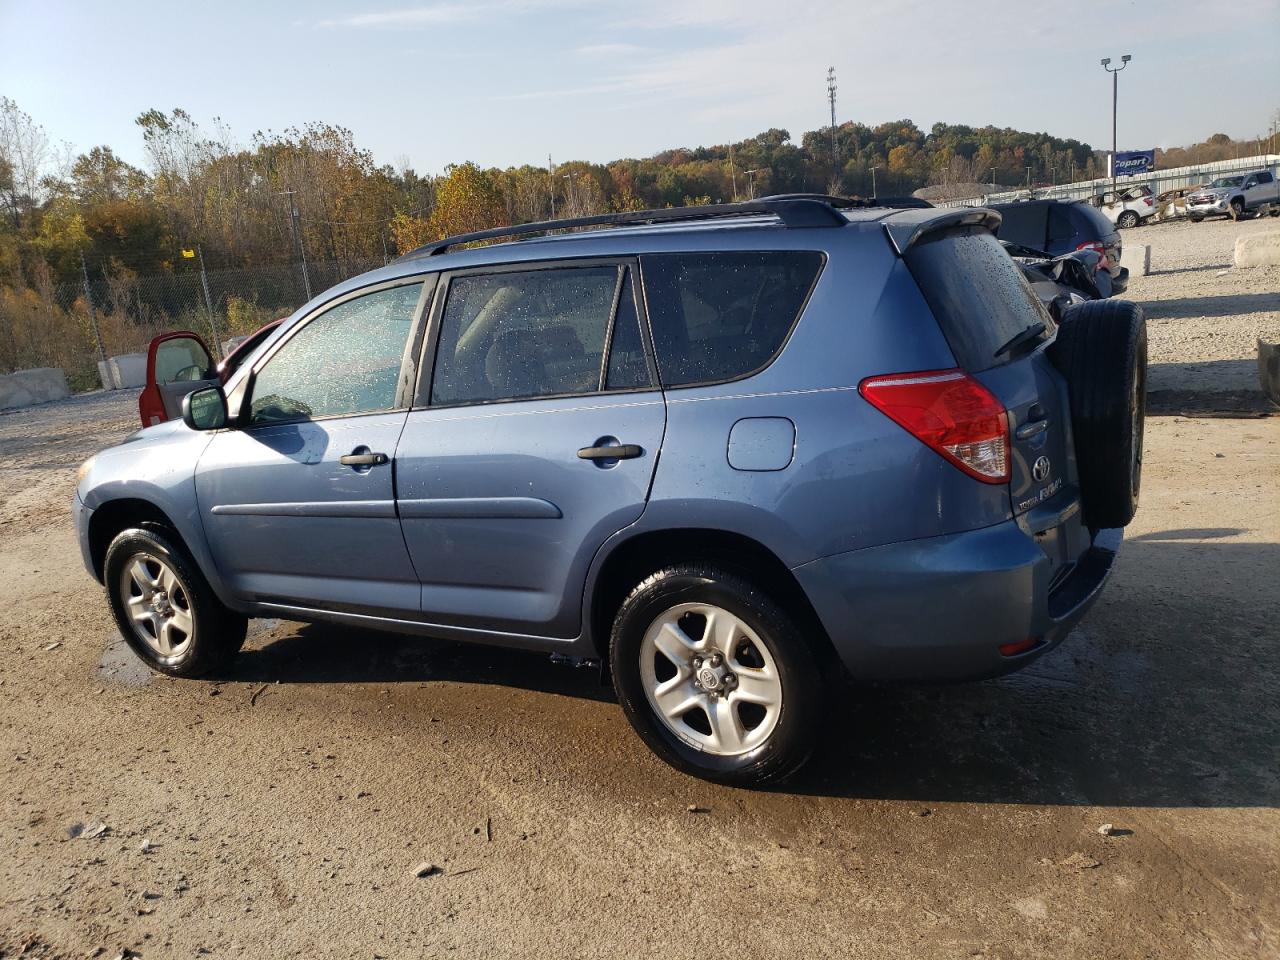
[[908, 227]]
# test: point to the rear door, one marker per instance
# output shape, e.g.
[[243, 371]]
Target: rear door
[[507, 479], [978, 319]]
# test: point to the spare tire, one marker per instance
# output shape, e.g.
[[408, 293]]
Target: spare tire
[[1101, 349]]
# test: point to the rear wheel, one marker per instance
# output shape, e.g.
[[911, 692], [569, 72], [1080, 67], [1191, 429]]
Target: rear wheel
[[715, 676], [1101, 348], [1195, 219], [164, 607]]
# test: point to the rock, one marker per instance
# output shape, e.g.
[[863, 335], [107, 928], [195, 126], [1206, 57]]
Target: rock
[[1258, 250], [1107, 829], [90, 832], [426, 869], [53, 646]]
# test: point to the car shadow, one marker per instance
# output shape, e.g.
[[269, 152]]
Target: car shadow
[[1226, 305], [305, 653], [1163, 696], [1211, 266]]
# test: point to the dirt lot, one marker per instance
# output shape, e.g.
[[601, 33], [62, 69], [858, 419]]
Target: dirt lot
[[281, 811]]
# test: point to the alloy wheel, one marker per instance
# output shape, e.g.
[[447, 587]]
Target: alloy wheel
[[710, 679], [158, 605]]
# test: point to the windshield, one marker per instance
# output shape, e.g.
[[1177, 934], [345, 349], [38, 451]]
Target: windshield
[[1227, 182]]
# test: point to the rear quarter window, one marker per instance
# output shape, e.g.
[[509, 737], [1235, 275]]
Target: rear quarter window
[[721, 316], [978, 295], [1023, 223]]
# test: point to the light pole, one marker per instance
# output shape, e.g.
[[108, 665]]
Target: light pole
[[873, 181], [1028, 178], [831, 96], [751, 183], [1115, 95]]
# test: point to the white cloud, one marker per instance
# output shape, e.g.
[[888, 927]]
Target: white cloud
[[412, 17]]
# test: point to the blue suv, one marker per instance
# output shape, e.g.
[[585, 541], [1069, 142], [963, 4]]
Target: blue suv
[[728, 451]]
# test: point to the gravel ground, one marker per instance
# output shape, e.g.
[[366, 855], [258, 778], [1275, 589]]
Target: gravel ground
[[1204, 317], [282, 810]]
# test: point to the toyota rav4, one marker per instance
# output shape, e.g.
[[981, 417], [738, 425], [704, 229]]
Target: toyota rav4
[[729, 452]]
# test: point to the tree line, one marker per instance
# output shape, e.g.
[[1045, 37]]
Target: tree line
[[313, 191]]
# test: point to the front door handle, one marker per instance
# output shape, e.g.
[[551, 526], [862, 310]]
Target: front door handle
[[626, 451], [364, 459]]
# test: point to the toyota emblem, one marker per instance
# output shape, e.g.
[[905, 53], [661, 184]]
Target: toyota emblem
[[1040, 469]]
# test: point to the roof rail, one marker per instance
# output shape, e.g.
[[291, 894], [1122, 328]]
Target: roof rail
[[796, 212], [862, 203]]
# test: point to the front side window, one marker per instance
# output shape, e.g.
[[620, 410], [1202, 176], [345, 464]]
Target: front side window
[[525, 333], [720, 316], [345, 361]]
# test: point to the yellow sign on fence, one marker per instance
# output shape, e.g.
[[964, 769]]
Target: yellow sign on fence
[[189, 254]]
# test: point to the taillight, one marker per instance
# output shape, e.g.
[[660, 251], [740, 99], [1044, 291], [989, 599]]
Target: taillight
[[1094, 245], [951, 413], [1148, 201]]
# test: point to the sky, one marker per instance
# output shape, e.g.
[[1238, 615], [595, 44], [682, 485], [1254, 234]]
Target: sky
[[505, 82]]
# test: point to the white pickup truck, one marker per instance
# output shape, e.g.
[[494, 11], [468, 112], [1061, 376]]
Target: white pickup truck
[[1236, 195]]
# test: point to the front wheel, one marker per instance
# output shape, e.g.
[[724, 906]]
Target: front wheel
[[1128, 219], [1237, 209], [715, 676], [164, 607]]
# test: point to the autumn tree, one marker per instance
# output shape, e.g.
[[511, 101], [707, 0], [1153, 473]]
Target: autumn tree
[[467, 200]]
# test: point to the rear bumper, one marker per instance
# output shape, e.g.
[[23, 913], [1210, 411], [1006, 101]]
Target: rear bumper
[[939, 609]]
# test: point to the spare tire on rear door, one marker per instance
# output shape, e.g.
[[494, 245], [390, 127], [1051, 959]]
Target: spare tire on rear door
[[1101, 348]]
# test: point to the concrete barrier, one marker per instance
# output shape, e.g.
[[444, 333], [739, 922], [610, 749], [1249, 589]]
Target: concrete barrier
[[1144, 259], [1258, 250], [1269, 370], [127, 371], [38, 385]]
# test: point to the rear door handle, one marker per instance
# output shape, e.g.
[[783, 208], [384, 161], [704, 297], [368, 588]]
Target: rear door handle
[[364, 459], [626, 451]]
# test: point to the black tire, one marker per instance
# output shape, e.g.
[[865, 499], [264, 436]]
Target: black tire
[[216, 633], [1127, 220], [1237, 209], [1196, 219], [1101, 348], [791, 739]]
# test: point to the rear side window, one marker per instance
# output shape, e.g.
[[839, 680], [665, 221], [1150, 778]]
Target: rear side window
[[977, 293], [720, 316], [1060, 225], [1023, 223]]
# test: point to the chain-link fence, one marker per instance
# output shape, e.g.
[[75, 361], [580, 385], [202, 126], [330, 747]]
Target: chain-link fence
[[73, 325], [1160, 180]]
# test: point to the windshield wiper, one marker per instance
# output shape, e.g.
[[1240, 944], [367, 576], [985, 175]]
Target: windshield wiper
[[1018, 339]]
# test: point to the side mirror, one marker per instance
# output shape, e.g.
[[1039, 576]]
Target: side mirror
[[205, 409]]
